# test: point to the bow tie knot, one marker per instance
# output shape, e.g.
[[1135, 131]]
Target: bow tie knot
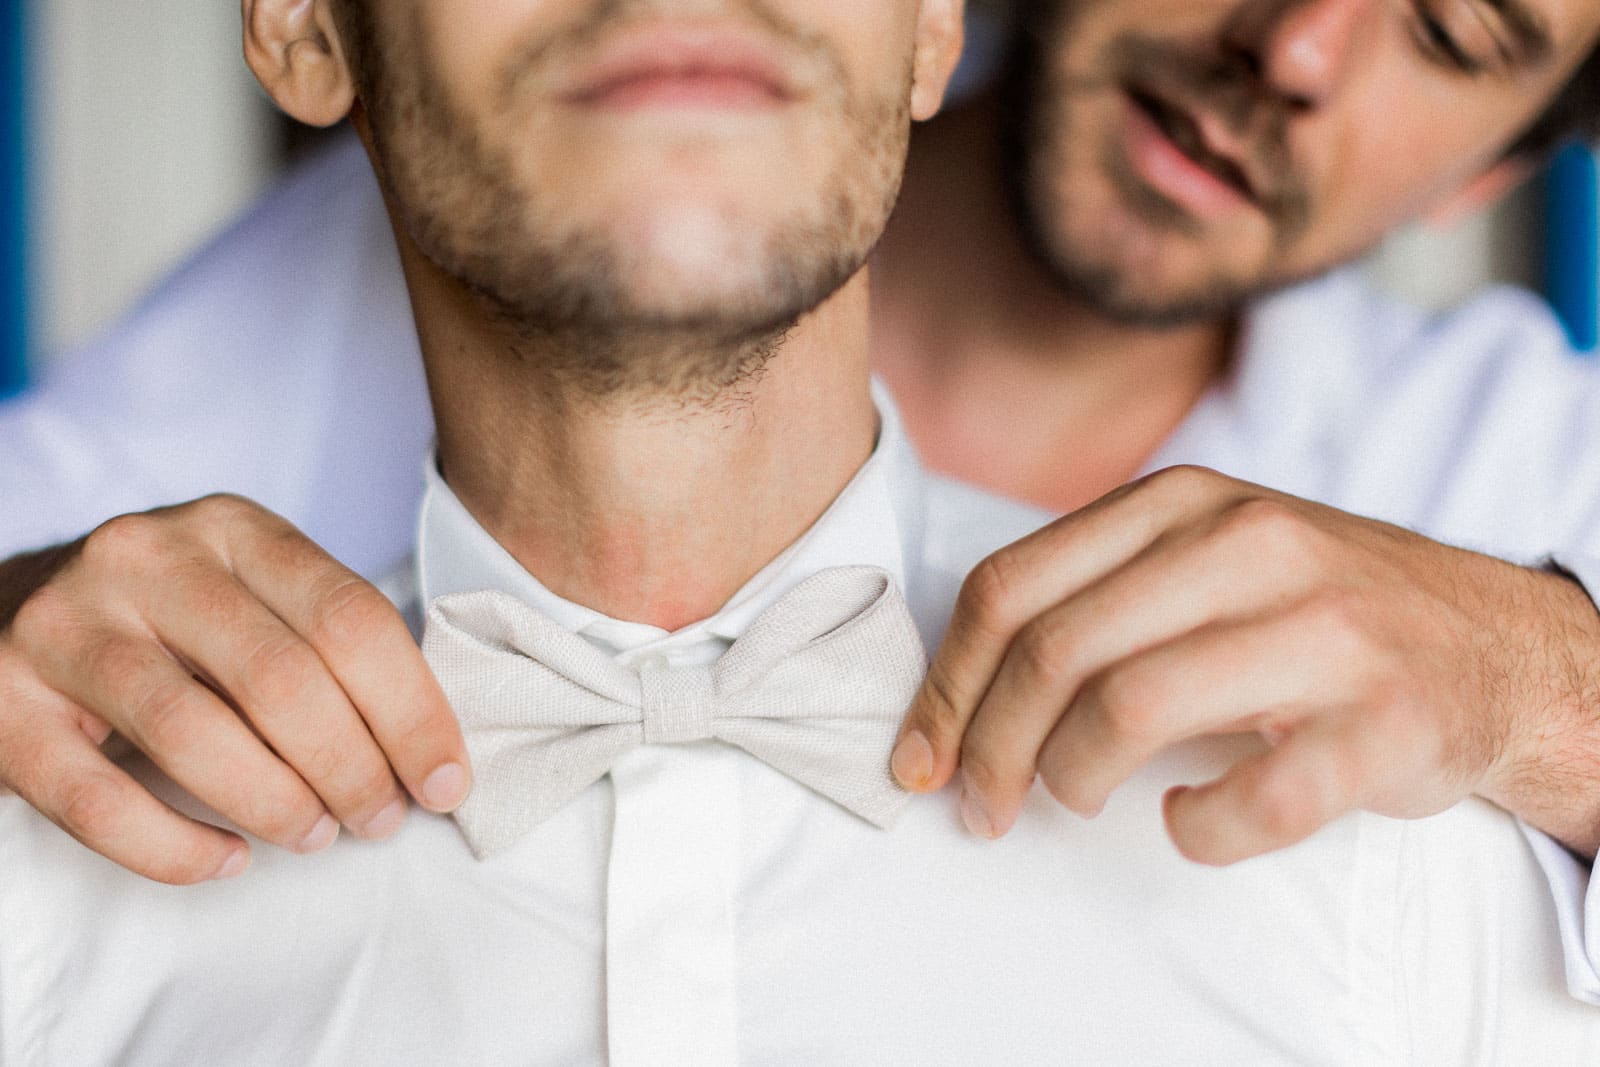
[[816, 688], [678, 703]]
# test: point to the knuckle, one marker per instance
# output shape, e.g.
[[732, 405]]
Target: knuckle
[[941, 715], [1264, 527], [990, 591], [223, 509], [349, 615], [122, 664], [88, 807], [1335, 614], [1185, 482], [125, 542], [1131, 703], [276, 675], [164, 717], [1044, 650]]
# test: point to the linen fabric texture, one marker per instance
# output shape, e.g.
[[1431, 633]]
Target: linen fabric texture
[[817, 688]]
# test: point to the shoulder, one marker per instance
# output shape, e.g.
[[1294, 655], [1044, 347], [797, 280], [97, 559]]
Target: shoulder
[[1504, 334], [1473, 424], [1344, 327]]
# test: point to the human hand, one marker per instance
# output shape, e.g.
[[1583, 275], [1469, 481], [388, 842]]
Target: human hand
[[262, 676], [1388, 672]]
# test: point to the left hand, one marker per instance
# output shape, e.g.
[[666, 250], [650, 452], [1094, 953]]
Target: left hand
[[1387, 672]]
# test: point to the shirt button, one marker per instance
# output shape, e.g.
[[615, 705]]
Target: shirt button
[[655, 661]]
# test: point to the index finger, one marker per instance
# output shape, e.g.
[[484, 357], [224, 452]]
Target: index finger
[[1021, 582], [368, 649]]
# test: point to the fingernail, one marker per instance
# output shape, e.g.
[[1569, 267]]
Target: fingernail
[[974, 813], [233, 866], [445, 788], [321, 836], [386, 822], [912, 761]]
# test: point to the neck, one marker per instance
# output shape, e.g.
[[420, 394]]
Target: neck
[[648, 505], [957, 345]]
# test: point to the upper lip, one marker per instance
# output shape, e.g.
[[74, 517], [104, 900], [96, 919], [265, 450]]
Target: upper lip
[[1206, 138], [668, 51]]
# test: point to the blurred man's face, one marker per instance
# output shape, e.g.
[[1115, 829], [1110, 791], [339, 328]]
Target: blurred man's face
[[1178, 156], [622, 165]]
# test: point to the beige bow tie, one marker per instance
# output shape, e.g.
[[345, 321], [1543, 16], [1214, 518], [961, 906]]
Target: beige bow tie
[[816, 687]]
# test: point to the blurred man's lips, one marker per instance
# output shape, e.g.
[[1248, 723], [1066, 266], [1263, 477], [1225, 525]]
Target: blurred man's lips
[[1168, 147], [673, 68]]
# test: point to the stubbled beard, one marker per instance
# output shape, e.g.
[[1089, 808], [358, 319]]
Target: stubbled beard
[[562, 292], [1036, 143]]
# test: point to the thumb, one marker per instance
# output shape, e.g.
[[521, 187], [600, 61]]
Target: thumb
[[929, 746]]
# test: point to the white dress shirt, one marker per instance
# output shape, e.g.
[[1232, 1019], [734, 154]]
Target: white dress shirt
[[698, 907], [282, 364], [290, 338]]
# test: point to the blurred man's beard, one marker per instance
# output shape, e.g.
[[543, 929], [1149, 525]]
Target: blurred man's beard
[[1038, 146], [591, 305], [1088, 271]]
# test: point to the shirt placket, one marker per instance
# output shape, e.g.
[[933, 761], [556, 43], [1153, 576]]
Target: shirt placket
[[670, 951]]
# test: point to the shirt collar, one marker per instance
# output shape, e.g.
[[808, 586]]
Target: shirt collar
[[869, 523]]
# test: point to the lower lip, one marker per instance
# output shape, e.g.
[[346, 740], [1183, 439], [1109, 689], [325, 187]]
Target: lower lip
[[1182, 180], [718, 92]]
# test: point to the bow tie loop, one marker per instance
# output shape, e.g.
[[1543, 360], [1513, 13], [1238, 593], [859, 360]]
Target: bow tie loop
[[678, 704]]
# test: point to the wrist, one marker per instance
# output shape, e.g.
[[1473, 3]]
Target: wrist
[[1548, 677]]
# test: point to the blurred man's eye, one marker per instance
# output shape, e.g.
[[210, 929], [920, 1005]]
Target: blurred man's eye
[[1440, 45]]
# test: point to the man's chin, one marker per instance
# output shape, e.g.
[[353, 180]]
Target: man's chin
[[1140, 276], [1130, 297]]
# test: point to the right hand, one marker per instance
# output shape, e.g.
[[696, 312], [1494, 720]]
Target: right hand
[[262, 676]]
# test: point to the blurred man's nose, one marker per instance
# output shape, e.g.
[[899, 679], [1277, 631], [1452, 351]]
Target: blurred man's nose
[[1300, 49]]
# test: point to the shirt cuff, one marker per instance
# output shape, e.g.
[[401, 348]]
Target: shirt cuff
[[1575, 890], [1577, 900]]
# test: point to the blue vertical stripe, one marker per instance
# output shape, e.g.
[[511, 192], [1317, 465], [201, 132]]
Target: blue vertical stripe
[[1572, 261], [13, 197]]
